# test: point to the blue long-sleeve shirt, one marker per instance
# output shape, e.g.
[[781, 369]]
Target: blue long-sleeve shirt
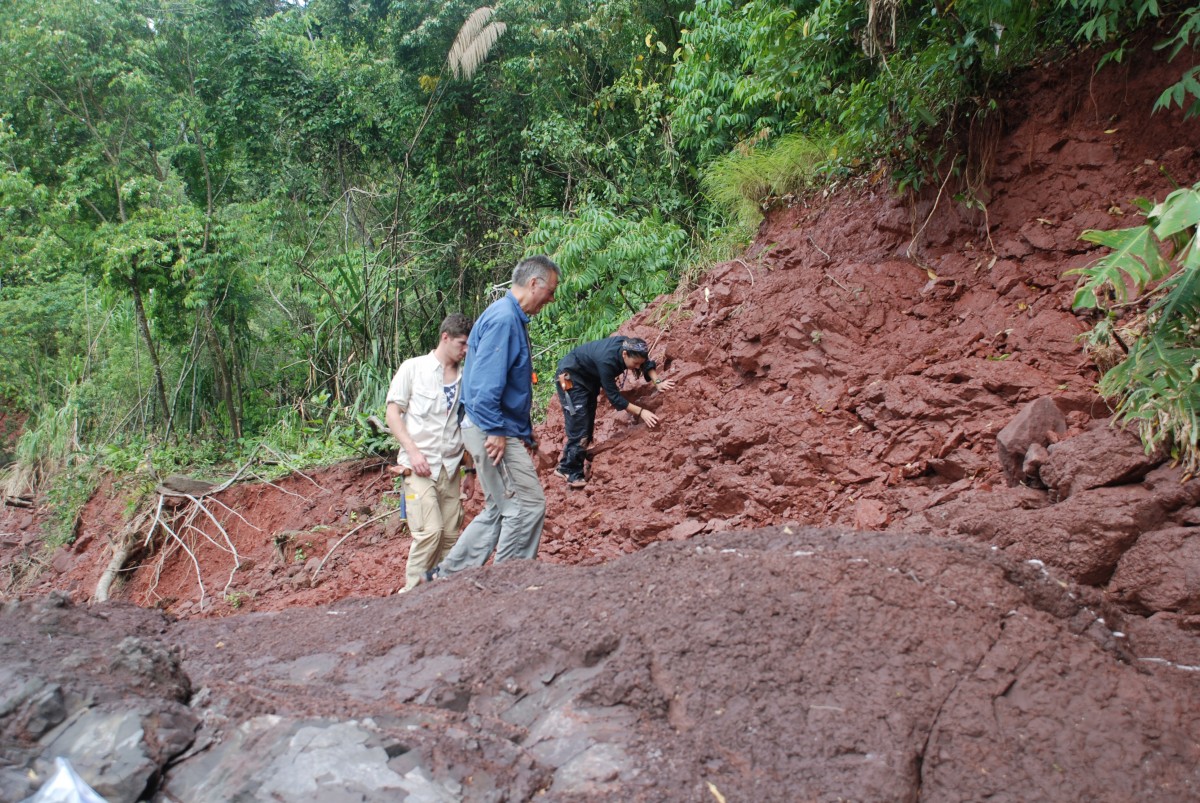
[[497, 383]]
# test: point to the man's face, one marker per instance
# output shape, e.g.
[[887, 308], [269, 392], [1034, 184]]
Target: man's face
[[456, 347], [542, 292]]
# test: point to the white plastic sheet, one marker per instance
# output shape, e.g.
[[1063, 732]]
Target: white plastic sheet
[[65, 786]]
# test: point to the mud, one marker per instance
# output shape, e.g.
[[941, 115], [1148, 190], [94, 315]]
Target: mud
[[814, 665]]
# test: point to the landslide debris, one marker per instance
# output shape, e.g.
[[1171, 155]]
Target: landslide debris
[[779, 664]]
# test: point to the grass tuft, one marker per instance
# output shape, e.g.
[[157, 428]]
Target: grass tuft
[[746, 181]]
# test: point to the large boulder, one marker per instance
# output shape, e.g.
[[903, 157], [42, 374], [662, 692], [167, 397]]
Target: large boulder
[[1083, 536], [1101, 456], [1161, 572]]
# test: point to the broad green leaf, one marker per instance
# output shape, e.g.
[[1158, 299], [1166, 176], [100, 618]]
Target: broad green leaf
[[1179, 212]]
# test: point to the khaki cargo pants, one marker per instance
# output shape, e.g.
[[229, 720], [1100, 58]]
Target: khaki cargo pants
[[435, 514]]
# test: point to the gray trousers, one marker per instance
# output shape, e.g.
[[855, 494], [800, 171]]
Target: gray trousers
[[514, 508]]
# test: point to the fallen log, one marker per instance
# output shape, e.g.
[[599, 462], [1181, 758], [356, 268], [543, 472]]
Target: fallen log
[[123, 546]]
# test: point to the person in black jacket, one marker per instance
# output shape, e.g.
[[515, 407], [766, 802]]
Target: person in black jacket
[[580, 377]]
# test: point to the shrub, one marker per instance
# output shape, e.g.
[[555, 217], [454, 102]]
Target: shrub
[[744, 181], [1154, 267]]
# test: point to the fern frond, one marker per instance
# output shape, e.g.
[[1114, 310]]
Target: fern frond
[[470, 29]]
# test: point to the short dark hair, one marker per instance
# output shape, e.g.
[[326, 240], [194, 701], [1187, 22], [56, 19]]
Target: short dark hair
[[635, 346], [534, 267], [456, 325]]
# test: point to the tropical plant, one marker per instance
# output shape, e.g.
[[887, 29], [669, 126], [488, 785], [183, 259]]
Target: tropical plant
[[612, 267], [476, 37], [1113, 21], [906, 84], [1152, 270]]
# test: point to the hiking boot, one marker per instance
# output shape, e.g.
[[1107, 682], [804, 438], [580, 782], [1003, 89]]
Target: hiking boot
[[577, 482]]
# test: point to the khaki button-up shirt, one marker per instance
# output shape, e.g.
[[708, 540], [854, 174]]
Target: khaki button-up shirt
[[418, 389]]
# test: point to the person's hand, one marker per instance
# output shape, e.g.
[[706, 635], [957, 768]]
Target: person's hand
[[420, 465], [650, 418], [665, 384], [468, 485], [494, 446]]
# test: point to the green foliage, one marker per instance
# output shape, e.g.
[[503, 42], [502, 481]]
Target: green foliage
[[612, 268], [366, 440], [901, 87], [720, 99], [71, 490], [1157, 384], [44, 326], [1111, 22], [46, 450], [744, 182]]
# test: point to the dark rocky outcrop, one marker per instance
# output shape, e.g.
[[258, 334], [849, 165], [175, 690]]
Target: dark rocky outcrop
[[772, 665]]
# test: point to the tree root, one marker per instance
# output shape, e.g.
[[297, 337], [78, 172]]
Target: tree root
[[126, 544], [317, 570]]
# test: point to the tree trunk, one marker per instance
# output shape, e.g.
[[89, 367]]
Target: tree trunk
[[144, 327], [224, 379]]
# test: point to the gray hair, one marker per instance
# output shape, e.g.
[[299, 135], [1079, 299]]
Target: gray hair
[[535, 267]]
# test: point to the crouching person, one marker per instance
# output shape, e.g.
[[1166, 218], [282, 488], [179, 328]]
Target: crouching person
[[580, 377]]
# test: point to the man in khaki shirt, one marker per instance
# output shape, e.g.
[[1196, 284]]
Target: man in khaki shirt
[[422, 414]]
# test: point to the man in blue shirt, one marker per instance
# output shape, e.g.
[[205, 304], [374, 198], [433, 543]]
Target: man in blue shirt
[[497, 392]]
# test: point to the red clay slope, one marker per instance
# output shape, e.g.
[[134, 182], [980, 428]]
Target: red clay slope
[[866, 351], [853, 368]]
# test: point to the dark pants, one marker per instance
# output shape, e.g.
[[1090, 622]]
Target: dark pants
[[579, 415]]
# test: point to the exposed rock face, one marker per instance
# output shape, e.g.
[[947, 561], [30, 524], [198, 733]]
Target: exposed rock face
[[100, 686], [773, 665], [1161, 572], [1083, 536]]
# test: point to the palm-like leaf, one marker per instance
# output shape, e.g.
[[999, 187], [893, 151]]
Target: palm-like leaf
[[1135, 253], [474, 41]]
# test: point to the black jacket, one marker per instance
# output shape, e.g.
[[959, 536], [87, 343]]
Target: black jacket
[[597, 365]]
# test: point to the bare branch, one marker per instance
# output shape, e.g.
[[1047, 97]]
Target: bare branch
[[317, 570]]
